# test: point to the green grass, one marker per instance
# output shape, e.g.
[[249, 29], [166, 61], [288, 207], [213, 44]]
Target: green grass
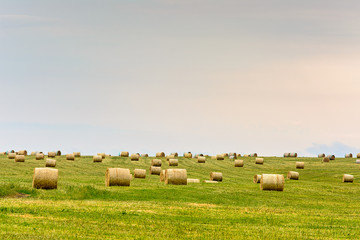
[[318, 206]]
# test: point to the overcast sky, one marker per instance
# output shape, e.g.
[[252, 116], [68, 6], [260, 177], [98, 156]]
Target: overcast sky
[[202, 76]]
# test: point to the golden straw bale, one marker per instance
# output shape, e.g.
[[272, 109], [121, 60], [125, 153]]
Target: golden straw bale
[[259, 161], [192, 180], [201, 159], [124, 154], [20, 158], [45, 178], [70, 156], [173, 162], [139, 173], [348, 178], [39, 156], [188, 155], [220, 156], [300, 165], [155, 170], [134, 157], [162, 176], [51, 154], [274, 182], [160, 154], [117, 177], [216, 176], [50, 162], [176, 176], [97, 158], [257, 178], [293, 175], [239, 163], [156, 162]]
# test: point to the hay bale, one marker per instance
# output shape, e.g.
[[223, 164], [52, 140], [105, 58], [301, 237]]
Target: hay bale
[[124, 154], [188, 155], [201, 159], [238, 155], [20, 158], [117, 177], [160, 154], [77, 154], [293, 175], [173, 162], [349, 155], [216, 176], [326, 159], [257, 178], [300, 165], [239, 163], [253, 155], [259, 161], [286, 154], [155, 170], [192, 180], [233, 155], [103, 155], [51, 154], [156, 162], [58, 153], [210, 181], [273, 182], [331, 157], [134, 157], [176, 176], [2, 153], [39, 156], [169, 157], [213, 157], [33, 153], [321, 155], [226, 154], [11, 155], [50, 162], [220, 156], [97, 158], [162, 176], [246, 155], [22, 152], [139, 173], [358, 155], [144, 155], [12, 151], [70, 156], [293, 155], [45, 178], [348, 178], [175, 154], [357, 161]]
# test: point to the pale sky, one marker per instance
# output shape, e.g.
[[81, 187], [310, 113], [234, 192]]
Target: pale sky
[[202, 76]]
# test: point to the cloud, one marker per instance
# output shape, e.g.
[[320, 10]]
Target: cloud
[[337, 148]]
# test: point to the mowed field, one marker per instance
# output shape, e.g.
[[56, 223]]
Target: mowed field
[[318, 206]]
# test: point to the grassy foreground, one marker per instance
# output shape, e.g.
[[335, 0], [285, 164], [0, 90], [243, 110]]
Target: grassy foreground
[[318, 206]]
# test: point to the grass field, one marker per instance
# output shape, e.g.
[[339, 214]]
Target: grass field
[[318, 206]]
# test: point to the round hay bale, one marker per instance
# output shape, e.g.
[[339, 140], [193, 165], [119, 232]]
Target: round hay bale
[[293, 175], [246, 155], [70, 156], [326, 159], [77, 154], [156, 162], [348, 178], [144, 155], [253, 155], [50, 162], [11, 155], [188, 155], [259, 161], [134, 157], [293, 155], [117, 177], [226, 154], [201, 159], [22, 152], [331, 157], [233, 155], [173, 162], [162, 176], [45, 178], [139, 173], [274, 182], [58, 153], [176, 176], [124, 154], [169, 157], [155, 170], [33, 153], [238, 155], [51, 154], [216, 176], [220, 156], [192, 180], [321, 155], [210, 181], [239, 163], [12, 151], [349, 155], [103, 155], [213, 157], [97, 158], [160, 154], [300, 165], [20, 158], [358, 155], [175, 154], [39, 156], [286, 154], [357, 161], [257, 178]]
